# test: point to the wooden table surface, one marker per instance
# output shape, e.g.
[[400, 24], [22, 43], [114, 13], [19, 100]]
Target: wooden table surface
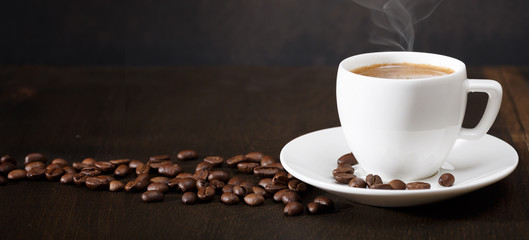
[[136, 112]]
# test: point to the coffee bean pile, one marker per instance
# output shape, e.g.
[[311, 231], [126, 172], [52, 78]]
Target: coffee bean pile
[[159, 176], [344, 173]]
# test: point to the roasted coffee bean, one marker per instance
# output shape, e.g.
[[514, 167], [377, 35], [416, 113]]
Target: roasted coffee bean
[[203, 165], [61, 162], [17, 174], [116, 186], [122, 170], [265, 182], [91, 171], [134, 164], [254, 199], [170, 170], [265, 171], [219, 175], [326, 202], [189, 198], [33, 165], [105, 166], [54, 165], [381, 186], [96, 183], [117, 162], [228, 188], [79, 165], [89, 161], [157, 165], [152, 196], [216, 161], [372, 180], [187, 155], [273, 188], [187, 184], [54, 174], [267, 161], [279, 195], [297, 186], [279, 166], [7, 167], [281, 178], [218, 185], [3, 180], [291, 177], [293, 209], [142, 169], [348, 158], [314, 208], [247, 185], [202, 183], [158, 187], [397, 184], [357, 183], [206, 194], [140, 183], [260, 191], [69, 169], [35, 157], [159, 179], [344, 177], [35, 174], [239, 191], [79, 179], [8, 158], [184, 175], [446, 180], [159, 158], [417, 185], [343, 170], [247, 167], [233, 161], [235, 181], [229, 198], [106, 178], [254, 156], [202, 174], [290, 196], [67, 178], [173, 183]]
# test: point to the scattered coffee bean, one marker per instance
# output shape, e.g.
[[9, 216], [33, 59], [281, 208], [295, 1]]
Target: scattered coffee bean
[[273, 188], [142, 169], [59, 161], [265, 182], [279, 166], [116, 186], [372, 180], [152, 196], [159, 158], [297, 186], [326, 202], [54, 174], [228, 188], [17, 174], [417, 185], [254, 199], [79, 165], [247, 186], [357, 183], [247, 167], [157, 164], [187, 184], [184, 175], [79, 179], [202, 183], [36, 174], [293, 209], [219, 175], [229, 198], [35, 157], [235, 181], [348, 158], [170, 170], [203, 165], [140, 183], [134, 164], [69, 169], [206, 194], [117, 162], [189, 198], [54, 165], [267, 161], [265, 171], [7, 167], [89, 161], [344, 177], [381, 186], [281, 178], [3, 180], [202, 174], [254, 156], [397, 184], [173, 183], [187, 155], [158, 187], [122, 170], [67, 178], [105, 166], [260, 191], [239, 191], [91, 171], [314, 208], [278, 196], [218, 185], [216, 161], [8, 158], [233, 161], [343, 170], [446, 180], [33, 165], [290, 196], [96, 183]]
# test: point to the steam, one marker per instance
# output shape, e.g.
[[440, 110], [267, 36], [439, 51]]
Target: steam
[[395, 20]]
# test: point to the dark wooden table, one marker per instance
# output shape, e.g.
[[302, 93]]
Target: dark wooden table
[[117, 112]]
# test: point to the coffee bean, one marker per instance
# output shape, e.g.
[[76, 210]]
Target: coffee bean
[[206, 194], [89, 161], [216, 161], [343, 170], [140, 183], [326, 202], [152, 196], [233, 161], [8, 158], [54, 174], [69, 169], [173, 183], [96, 183], [142, 169], [35, 157], [265, 182], [278, 196], [281, 178], [67, 178], [293, 209], [202, 174], [156, 165], [61, 162], [235, 181], [297, 186], [260, 191], [159, 179], [218, 185], [348, 158], [187, 184], [202, 183], [117, 162], [189, 198], [228, 188], [344, 177], [417, 185], [267, 161], [159, 158], [187, 155], [122, 170], [397, 184], [17, 174], [381, 186], [105, 166], [7, 167], [184, 175], [446, 180], [79, 165], [273, 188], [254, 156], [54, 165], [239, 191], [134, 164], [3, 180], [106, 178], [36, 174], [372, 180], [290, 196], [170, 170], [254, 199], [247, 167], [314, 208], [79, 179], [229, 198], [265, 171], [91, 171], [219, 175], [33, 165], [203, 165], [158, 187], [116, 186], [291, 177], [357, 183]]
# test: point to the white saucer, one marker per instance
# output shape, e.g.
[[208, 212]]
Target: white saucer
[[475, 164]]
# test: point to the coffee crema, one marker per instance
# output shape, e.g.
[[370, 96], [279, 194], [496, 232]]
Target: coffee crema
[[402, 71]]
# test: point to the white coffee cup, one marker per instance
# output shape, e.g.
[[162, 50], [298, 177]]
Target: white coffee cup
[[405, 129]]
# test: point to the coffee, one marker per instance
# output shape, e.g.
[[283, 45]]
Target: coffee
[[402, 71]]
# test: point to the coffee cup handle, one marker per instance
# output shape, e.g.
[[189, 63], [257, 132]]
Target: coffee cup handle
[[494, 90]]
